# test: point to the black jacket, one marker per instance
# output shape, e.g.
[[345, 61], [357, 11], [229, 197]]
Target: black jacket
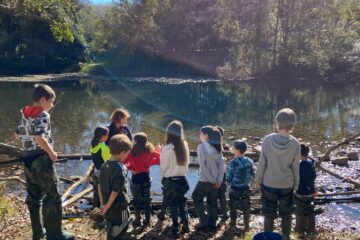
[[307, 177], [122, 130]]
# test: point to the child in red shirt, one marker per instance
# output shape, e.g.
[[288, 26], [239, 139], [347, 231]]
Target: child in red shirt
[[142, 156]]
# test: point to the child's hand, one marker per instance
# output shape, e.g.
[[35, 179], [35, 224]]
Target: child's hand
[[53, 156], [217, 185], [159, 147], [16, 136], [104, 209]]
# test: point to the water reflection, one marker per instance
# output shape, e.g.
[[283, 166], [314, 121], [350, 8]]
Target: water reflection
[[242, 109]]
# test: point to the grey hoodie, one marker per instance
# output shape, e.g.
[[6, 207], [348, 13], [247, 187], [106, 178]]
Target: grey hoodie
[[279, 162], [211, 164]]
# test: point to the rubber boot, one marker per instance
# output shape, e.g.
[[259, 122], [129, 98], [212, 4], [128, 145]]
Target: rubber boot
[[184, 216], [310, 223], [200, 211], [268, 224], [137, 222], [300, 223], [52, 213], [246, 220], [37, 229], [286, 227], [147, 206], [174, 217]]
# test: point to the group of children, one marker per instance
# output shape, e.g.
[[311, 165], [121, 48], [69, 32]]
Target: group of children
[[282, 177]]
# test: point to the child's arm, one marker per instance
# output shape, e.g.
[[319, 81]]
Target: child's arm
[[107, 206], [220, 176], [262, 166], [295, 168], [100, 196], [155, 158], [44, 144], [229, 172]]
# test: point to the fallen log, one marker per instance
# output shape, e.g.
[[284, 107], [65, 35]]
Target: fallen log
[[338, 194], [77, 197], [344, 142], [15, 178], [76, 184], [355, 183]]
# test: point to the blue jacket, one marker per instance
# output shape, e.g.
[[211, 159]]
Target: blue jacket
[[307, 177], [239, 172]]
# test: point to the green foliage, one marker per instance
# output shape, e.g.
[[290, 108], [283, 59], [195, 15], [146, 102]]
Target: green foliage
[[241, 38]]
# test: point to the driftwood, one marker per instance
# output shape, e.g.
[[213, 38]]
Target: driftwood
[[338, 194], [344, 142], [76, 184], [16, 178], [77, 197], [355, 183]]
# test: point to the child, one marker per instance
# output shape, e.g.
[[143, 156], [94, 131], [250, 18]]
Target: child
[[304, 196], [174, 163], [222, 189], [118, 125], [34, 133], [99, 154], [278, 172], [113, 187], [141, 157], [238, 174], [211, 173]]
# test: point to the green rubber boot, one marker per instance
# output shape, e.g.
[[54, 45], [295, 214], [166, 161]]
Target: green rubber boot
[[37, 229]]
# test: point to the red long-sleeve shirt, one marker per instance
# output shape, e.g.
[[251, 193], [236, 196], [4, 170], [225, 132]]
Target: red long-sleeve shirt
[[142, 163]]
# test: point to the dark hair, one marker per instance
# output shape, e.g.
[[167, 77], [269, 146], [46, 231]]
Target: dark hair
[[118, 114], [305, 149], [119, 143], [99, 132], [221, 130], [42, 90], [141, 144], [214, 137], [175, 135], [240, 145]]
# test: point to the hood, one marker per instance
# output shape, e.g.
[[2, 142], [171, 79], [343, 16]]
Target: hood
[[281, 143], [31, 111]]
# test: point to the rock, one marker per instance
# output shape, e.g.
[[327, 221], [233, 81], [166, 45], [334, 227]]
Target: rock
[[340, 161], [226, 146], [256, 138], [353, 156], [232, 138]]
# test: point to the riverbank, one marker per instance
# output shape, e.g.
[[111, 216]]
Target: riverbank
[[16, 225]]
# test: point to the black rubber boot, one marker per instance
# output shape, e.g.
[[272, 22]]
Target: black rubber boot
[[246, 220], [286, 227], [310, 228], [37, 229], [200, 211], [52, 213], [147, 206], [268, 224], [300, 224]]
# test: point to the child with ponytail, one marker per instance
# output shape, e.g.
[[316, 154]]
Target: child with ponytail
[[174, 163], [142, 156], [99, 153]]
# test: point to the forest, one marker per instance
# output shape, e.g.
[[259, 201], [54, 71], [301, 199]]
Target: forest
[[231, 39]]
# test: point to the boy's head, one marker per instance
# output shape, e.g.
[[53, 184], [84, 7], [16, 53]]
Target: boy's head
[[43, 96], [119, 117], [239, 147], [305, 149], [285, 119], [120, 146]]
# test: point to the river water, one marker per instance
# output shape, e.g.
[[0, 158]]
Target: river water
[[325, 114]]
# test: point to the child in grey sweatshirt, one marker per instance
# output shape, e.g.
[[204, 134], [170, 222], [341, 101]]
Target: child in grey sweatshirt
[[278, 172], [211, 174]]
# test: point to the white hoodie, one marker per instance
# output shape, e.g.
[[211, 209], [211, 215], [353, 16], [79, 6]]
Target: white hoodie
[[168, 163]]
